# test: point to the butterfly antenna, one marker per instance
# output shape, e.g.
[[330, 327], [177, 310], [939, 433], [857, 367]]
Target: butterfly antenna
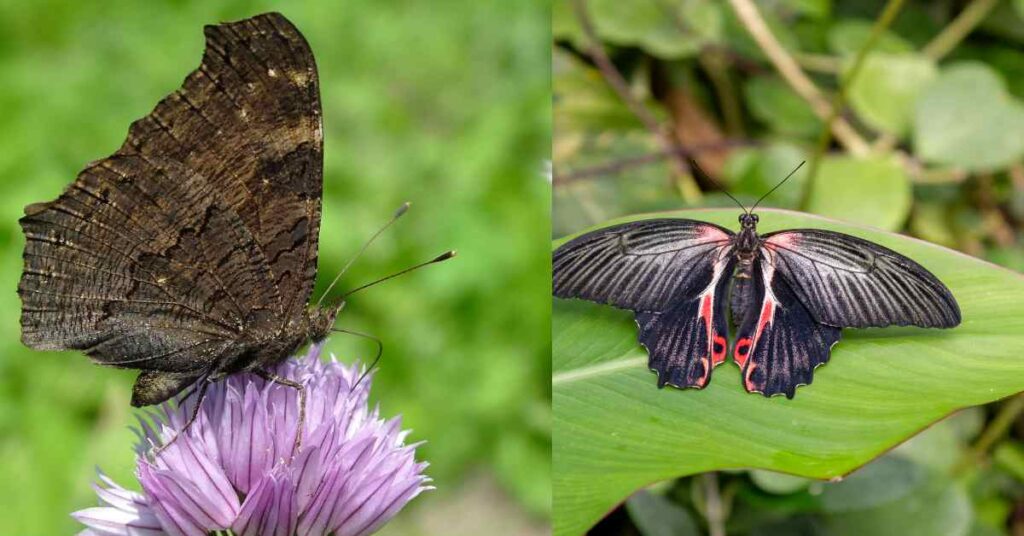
[[442, 257], [699, 171], [779, 184], [376, 359], [398, 214]]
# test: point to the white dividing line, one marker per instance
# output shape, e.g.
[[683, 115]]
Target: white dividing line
[[606, 367]]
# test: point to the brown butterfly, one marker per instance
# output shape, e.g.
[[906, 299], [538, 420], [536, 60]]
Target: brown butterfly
[[191, 253]]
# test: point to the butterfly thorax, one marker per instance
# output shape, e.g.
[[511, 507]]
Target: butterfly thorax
[[262, 349], [747, 244]]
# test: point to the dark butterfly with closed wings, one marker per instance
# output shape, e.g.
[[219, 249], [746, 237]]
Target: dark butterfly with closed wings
[[789, 292], [191, 253]]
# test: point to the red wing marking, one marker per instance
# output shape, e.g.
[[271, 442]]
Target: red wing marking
[[717, 350], [767, 314], [742, 352], [783, 240], [745, 347], [705, 316], [713, 233], [716, 343]]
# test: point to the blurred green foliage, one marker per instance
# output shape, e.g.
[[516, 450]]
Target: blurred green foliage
[[937, 105], [444, 104], [941, 119]]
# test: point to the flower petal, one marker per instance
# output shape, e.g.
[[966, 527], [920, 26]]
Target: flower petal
[[353, 473], [185, 457], [270, 510], [177, 503], [107, 520]]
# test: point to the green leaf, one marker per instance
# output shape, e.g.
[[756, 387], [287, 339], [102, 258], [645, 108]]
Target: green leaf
[[774, 103], [883, 481], [967, 118], [778, 483], [929, 504], [655, 515], [669, 30], [884, 92], [848, 36], [815, 9], [615, 432], [751, 173], [1010, 457], [939, 447], [583, 100], [873, 190]]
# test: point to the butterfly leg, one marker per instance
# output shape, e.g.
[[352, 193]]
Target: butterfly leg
[[271, 377], [201, 386]]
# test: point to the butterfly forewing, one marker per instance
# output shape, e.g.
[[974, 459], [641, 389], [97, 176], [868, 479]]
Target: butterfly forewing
[[642, 266], [846, 281], [248, 120]]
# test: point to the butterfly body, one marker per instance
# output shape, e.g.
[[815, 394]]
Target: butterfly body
[[788, 294], [747, 245], [260, 349]]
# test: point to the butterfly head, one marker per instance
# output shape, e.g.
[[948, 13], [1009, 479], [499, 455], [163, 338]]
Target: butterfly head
[[748, 220], [321, 320]]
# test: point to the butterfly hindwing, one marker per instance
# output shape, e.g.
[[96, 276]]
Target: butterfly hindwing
[[138, 265], [690, 338], [845, 281], [779, 344]]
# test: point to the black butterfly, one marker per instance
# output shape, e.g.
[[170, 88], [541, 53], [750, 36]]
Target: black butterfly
[[792, 293]]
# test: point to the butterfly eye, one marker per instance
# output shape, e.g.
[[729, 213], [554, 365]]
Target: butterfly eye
[[755, 217]]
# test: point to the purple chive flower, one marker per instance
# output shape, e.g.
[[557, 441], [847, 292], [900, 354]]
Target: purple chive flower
[[233, 469]]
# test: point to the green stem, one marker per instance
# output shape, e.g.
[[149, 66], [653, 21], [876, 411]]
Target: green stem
[[889, 13], [715, 64], [992, 433], [958, 29]]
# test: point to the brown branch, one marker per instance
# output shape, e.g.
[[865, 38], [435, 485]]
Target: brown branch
[[791, 72], [688, 186], [713, 511]]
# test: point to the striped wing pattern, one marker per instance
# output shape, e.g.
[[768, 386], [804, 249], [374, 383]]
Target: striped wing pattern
[[804, 286], [846, 281], [643, 266], [779, 344]]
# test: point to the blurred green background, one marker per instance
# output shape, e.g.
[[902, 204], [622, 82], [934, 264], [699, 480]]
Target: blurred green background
[[930, 143], [444, 104]]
